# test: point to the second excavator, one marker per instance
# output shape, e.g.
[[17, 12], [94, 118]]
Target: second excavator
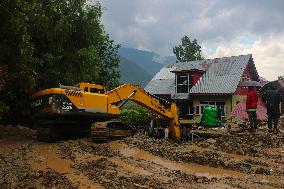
[[87, 108]]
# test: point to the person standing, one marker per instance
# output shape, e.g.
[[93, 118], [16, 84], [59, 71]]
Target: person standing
[[183, 132], [166, 133], [272, 99], [188, 133], [151, 129], [251, 107]]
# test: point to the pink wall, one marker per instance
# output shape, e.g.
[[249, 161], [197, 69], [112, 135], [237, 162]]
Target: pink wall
[[242, 90]]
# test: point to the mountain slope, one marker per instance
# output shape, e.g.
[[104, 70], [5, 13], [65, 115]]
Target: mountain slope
[[164, 59], [132, 73], [143, 59]]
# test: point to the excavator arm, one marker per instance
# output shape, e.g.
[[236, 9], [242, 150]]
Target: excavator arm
[[141, 97]]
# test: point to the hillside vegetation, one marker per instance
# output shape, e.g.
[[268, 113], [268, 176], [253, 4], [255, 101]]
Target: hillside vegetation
[[139, 67]]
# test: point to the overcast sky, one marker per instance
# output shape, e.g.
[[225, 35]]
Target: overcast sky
[[222, 28]]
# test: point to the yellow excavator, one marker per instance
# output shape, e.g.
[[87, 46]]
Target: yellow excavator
[[88, 108]]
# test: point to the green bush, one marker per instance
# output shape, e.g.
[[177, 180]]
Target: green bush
[[138, 117], [3, 108]]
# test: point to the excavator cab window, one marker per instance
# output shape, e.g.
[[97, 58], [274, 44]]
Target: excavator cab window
[[94, 90], [86, 89]]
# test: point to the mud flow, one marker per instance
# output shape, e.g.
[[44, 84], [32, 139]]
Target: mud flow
[[227, 159]]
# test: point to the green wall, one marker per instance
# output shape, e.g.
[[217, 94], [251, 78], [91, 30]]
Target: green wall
[[230, 102], [237, 98]]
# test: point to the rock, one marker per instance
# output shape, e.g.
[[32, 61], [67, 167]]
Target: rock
[[68, 149], [211, 140]]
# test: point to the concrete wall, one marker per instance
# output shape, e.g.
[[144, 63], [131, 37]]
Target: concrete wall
[[227, 99]]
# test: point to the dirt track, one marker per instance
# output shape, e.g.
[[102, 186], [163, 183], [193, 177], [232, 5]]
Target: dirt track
[[233, 160]]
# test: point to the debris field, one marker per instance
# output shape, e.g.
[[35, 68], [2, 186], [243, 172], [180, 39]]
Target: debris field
[[236, 159]]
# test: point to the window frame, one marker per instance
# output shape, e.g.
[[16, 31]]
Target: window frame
[[95, 90], [199, 109], [189, 110], [245, 77], [185, 83]]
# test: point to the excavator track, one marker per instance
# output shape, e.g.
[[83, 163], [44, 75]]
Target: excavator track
[[48, 135], [107, 130], [99, 131], [48, 131]]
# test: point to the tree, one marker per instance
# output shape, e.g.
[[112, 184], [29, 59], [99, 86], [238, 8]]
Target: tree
[[16, 58], [44, 43], [188, 51]]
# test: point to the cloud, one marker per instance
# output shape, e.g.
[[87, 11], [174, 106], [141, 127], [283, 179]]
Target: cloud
[[146, 20], [267, 52], [223, 27]]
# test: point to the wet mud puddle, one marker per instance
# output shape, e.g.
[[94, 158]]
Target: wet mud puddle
[[8, 145], [198, 170], [48, 158]]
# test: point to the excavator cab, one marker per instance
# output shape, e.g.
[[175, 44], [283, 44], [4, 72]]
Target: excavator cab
[[92, 88]]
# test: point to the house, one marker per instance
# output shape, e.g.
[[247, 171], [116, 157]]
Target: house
[[196, 84]]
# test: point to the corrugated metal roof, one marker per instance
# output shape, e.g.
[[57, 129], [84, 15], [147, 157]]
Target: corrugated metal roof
[[163, 82], [165, 73], [223, 76], [179, 96], [164, 86], [193, 65]]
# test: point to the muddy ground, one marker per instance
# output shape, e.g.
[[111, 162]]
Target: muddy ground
[[229, 160]]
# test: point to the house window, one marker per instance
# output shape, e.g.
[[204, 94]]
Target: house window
[[185, 110], [219, 104], [183, 83], [245, 77]]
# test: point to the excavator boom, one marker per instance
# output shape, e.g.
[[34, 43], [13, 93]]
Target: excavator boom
[[141, 97]]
